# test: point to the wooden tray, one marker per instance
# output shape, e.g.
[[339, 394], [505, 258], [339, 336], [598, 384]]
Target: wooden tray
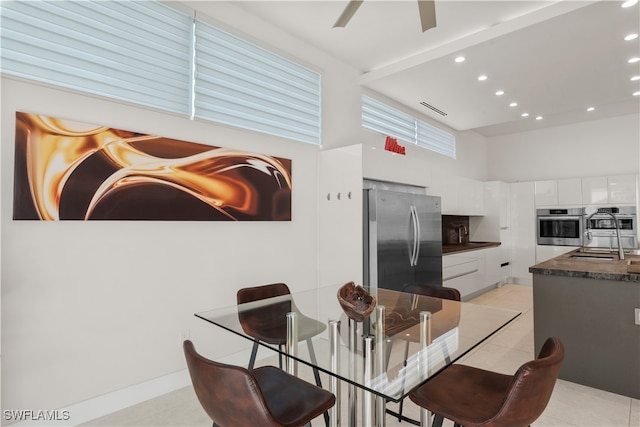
[[633, 266]]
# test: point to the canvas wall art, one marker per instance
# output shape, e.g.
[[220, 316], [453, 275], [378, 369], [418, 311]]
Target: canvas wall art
[[67, 170]]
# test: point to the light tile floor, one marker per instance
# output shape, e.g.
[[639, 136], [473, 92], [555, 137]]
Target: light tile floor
[[571, 404]]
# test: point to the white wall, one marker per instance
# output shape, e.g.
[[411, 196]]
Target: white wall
[[91, 308], [601, 147]]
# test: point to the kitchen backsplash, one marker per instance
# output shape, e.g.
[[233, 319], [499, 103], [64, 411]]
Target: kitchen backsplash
[[455, 229]]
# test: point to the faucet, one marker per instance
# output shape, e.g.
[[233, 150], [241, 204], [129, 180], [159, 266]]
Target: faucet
[[462, 231], [591, 212]]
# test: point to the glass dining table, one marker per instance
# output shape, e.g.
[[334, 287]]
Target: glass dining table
[[406, 340]]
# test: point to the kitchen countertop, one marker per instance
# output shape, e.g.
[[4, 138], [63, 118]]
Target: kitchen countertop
[[465, 247], [565, 265]]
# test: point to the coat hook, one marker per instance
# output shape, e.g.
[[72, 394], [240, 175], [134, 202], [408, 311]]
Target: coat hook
[[338, 196], [328, 196], [349, 195]]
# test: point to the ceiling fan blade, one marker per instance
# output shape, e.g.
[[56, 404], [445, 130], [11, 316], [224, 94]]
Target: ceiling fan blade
[[427, 10], [348, 13]]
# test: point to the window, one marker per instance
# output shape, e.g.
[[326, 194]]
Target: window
[[242, 84], [380, 117], [133, 51], [147, 53]]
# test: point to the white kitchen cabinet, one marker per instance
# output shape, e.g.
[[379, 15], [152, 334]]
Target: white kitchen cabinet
[[561, 192], [570, 192], [609, 190], [493, 266], [523, 231], [594, 190], [464, 271], [622, 189], [546, 193], [459, 195]]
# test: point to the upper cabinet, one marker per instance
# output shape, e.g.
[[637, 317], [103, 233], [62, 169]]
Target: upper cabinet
[[597, 190], [460, 195], [561, 192], [609, 190]]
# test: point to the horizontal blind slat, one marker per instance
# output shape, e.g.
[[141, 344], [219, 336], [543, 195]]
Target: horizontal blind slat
[[114, 49]]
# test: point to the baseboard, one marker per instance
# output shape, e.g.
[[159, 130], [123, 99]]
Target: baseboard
[[85, 411]]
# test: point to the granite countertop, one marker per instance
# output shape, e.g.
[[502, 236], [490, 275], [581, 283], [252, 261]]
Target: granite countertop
[[589, 267], [451, 248]]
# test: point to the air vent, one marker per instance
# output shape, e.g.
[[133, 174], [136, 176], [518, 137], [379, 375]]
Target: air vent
[[431, 107]]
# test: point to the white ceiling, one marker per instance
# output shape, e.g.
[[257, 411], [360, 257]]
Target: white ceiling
[[554, 58]]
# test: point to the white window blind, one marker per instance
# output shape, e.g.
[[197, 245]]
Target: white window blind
[[137, 51], [435, 139], [241, 84], [389, 121], [382, 118]]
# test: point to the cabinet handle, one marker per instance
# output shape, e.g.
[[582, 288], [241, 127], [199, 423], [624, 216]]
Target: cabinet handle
[[459, 275]]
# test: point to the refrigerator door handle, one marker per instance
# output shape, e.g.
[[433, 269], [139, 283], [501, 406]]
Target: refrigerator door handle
[[413, 258], [418, 236]]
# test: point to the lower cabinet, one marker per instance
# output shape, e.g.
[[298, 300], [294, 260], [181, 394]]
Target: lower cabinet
[[463, 272], [474, 272]]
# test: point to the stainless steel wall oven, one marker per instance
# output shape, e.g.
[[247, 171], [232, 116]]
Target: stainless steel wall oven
[[600, 228], [560, 227]]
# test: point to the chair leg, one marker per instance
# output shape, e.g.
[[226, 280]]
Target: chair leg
[[437, 420], [280, 356], [406, 356], [254, 352]]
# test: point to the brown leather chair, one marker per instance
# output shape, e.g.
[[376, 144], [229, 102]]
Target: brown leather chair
[[266, 396], [435, 291], [475, 397], [268, 323]]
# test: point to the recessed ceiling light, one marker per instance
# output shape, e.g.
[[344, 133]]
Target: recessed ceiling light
[[460, 59], [500, 93], [629, 3], [634, 78], [525, 114], [539, 118], [482, 78], [632, 36], [590, 108], [513, 104], [636, 93], [633, 60]]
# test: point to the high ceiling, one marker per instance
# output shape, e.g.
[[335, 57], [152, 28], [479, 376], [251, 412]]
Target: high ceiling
[[555, 59]]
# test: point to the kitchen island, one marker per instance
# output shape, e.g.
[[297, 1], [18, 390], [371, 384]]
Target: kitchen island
[[590, 301]]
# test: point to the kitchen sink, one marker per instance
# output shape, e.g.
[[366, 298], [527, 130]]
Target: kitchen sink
[[594, 257], [607, 251]]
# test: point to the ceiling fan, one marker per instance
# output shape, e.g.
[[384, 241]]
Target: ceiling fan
[[426, 8]]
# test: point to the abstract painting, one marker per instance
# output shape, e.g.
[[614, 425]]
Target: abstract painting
[[68, 170]]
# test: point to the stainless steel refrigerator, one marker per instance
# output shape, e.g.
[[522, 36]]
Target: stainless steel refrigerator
[[402, 236]]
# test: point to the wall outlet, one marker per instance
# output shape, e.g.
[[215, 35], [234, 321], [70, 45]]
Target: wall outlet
[[637, 315]]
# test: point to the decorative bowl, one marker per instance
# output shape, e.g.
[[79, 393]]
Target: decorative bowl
[[355, 301]]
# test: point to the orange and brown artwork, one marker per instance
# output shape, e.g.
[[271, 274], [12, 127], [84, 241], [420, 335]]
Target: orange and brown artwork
[[66, 170]]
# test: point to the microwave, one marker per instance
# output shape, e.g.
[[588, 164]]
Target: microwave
[[560, 227]]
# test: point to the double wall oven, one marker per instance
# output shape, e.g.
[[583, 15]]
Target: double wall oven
[[573, 227]]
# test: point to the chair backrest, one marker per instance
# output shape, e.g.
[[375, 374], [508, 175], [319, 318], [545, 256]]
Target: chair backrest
[[257, 293], [531, 387], [266, 323], [432, 291], [229, 394]]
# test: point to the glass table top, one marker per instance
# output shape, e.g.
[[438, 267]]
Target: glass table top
[[402, 362]]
